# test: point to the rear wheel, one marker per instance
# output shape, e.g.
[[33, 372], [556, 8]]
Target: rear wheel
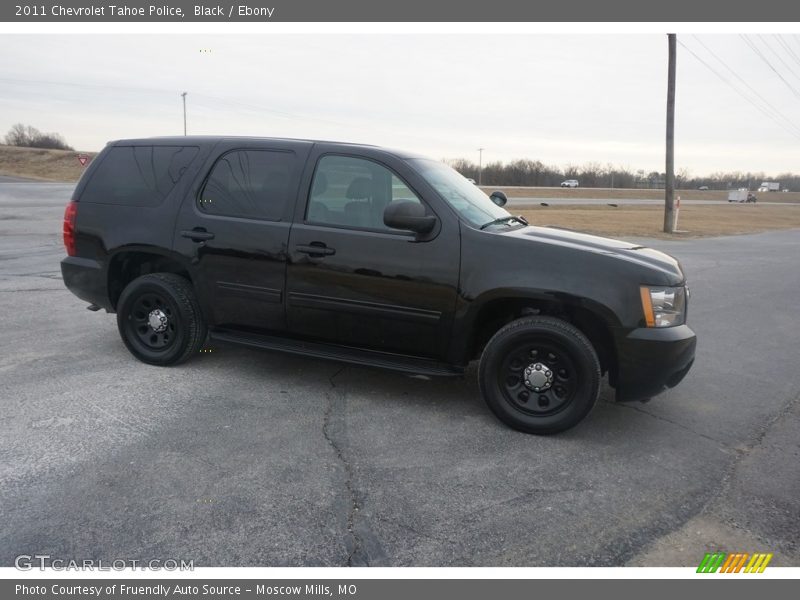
[[540, 375], [159, 319]]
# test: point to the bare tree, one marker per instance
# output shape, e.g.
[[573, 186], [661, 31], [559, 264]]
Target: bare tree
[[30, 137], [18, 135]]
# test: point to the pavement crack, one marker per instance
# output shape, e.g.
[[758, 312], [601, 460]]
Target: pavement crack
[[756, 440], [719, 498], [722, 445], [355, 545], [335, 375]]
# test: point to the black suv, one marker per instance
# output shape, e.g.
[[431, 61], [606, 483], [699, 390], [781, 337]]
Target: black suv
[[374, 257]]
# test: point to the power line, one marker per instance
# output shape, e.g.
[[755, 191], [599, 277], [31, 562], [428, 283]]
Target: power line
[[788, 49], [258, 108], [768, 104], [760, 54], [780, 58], [738, 91], [252, 107]]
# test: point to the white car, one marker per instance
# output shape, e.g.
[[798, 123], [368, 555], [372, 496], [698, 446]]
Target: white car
[[571, 183]]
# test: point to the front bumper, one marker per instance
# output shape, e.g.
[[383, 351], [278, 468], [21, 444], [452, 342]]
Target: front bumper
[[650, 360], [86, 278]]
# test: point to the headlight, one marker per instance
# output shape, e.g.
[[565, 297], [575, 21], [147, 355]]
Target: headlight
[[664, 306]]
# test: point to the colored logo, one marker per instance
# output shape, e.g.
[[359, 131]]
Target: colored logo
[[736, 562]]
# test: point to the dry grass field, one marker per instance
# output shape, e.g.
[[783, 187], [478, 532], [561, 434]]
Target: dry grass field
[[647, 221], [45, 165]]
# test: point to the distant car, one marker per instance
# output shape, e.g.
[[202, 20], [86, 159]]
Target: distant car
[[472, 181], [570, 183], [703, 187]]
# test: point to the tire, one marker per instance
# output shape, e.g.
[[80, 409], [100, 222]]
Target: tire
[[168, 301], [543, 345]]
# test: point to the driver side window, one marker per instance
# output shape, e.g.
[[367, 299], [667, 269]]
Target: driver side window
[[353, 192]]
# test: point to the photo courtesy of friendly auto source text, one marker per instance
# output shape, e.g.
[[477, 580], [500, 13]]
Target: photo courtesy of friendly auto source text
[[350, 300]]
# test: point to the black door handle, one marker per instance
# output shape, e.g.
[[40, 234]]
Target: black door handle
[[316, 249], [197, 234]]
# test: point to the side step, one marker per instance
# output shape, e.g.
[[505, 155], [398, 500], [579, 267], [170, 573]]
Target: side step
[[356, 356]]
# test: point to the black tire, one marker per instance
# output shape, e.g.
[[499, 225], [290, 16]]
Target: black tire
[[170, 300], [568, 377]]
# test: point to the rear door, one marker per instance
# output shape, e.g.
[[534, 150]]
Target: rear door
[[350, 279], [234, 227]]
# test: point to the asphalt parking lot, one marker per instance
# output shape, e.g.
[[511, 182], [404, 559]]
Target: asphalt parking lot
[[247, 458]]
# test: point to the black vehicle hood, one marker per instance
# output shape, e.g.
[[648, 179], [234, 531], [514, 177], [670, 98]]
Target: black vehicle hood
[[618, 249]]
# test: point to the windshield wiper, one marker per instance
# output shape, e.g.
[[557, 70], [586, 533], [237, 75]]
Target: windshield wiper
[[504, 220]]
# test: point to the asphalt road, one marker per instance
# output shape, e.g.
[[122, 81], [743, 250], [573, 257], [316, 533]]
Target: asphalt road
[[243, 457]]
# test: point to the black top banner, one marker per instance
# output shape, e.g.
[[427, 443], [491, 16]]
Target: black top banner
[[402, 11]]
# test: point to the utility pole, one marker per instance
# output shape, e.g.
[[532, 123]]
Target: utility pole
[[669, 184], [480, 165], [183, 95]]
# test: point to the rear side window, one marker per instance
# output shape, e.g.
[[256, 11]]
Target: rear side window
[[254, 184], [138, 175]]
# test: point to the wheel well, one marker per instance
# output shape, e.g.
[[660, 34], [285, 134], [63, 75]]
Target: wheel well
[[127, 266], [498, 313]]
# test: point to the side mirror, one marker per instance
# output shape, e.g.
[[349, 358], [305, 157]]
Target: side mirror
[[409, 216], [498, 198]]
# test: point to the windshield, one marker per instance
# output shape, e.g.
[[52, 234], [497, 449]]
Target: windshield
[[465, 197]]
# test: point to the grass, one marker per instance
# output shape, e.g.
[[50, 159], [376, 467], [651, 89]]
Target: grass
[[647, 221], [38, 163]]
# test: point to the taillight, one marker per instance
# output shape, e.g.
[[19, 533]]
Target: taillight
[[69, 227]]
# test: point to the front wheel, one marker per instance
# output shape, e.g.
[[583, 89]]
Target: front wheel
[[159, 319], [540, 375]]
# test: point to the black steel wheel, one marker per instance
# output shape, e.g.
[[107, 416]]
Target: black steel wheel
[[540, 375], [159, 319]]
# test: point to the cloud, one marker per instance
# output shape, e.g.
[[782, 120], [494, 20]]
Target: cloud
[[557, 98]]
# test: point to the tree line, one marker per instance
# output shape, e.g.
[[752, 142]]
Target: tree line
[[30, 137], [526, 172], [521, 172]]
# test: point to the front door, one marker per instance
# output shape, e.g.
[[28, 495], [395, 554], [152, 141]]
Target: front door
[[236, 231], [351, 280]]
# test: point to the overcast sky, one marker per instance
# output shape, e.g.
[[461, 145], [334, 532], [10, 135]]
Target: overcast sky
[[557, 98]]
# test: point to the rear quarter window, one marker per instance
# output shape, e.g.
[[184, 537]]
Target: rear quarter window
[[138, 175], [250, 184]]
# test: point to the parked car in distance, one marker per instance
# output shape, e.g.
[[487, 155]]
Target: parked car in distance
[[703, 188], [570, 183], [472, 181], [373, 257]]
